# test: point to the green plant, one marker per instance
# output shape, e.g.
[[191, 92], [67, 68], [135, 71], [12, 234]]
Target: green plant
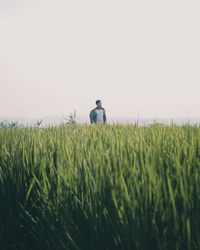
[[13, 124], [3, 125], [38, 123], [100, 187], [71, 120]]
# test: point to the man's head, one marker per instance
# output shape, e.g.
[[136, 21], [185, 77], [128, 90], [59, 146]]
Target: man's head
[[99, 104]]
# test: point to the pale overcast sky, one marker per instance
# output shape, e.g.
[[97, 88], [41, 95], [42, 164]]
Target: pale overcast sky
[[140, 57]]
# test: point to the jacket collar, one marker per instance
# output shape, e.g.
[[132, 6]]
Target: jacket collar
[[100, 108]]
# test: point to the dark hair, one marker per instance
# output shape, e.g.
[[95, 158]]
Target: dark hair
[[98, 101]]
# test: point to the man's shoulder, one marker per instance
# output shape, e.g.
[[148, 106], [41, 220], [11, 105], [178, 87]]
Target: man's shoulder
[[92, 111]]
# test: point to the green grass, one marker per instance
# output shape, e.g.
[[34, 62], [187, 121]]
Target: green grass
[[100, 188]]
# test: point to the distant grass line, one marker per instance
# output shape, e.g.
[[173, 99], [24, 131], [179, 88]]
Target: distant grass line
[[120, 187]]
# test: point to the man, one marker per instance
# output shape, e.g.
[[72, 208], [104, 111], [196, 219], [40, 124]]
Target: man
[[98, 114]]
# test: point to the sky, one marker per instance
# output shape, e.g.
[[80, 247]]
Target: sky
[[141, 58]]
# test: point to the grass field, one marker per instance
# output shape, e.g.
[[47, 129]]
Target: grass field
[[100, 188]]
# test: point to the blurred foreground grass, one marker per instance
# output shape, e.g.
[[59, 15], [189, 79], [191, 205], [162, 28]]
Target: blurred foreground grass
[[100, 188]]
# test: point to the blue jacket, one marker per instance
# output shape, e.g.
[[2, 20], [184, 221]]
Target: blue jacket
[[93, 115]]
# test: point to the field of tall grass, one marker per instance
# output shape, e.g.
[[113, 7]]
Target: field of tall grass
[[112, 187]]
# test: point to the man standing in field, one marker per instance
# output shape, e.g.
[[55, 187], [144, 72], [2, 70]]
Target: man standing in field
[[98, 114]]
